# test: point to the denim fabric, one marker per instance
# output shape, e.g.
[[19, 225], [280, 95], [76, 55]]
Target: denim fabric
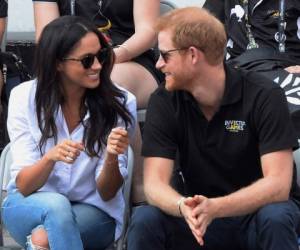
[[273, 227], [69, 225]]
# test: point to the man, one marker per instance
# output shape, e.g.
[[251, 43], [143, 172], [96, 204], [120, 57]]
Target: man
[[234, 138]]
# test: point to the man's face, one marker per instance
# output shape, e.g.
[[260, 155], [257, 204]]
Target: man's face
[[171, 62]]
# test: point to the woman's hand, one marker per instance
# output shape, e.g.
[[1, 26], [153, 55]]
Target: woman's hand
[[293, 69], [117, 141], [66, 151]]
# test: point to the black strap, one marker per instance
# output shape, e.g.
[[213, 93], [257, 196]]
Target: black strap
[[251, 40], [280, 36], [72, 7]]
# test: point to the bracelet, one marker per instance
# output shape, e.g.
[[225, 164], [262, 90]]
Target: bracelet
[[179, 205], [125, 48]]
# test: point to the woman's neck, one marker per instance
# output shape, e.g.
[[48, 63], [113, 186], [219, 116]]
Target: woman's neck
[[72, 107]]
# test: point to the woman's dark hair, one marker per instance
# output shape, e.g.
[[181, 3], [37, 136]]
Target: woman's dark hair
[[105, 102]]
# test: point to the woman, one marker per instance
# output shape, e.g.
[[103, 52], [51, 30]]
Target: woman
[[129, 26], [68, 132]]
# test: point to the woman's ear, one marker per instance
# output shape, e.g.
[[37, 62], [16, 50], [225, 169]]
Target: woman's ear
[[59, 66]]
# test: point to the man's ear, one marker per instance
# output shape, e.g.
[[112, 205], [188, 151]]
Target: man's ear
[[197, 55]]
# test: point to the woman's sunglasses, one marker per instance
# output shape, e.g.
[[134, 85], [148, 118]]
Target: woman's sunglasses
[[89, 59]]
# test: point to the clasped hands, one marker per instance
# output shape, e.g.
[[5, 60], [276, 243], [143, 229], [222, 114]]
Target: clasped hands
[[199, 211]]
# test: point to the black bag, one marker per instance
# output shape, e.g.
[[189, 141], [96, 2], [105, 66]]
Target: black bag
[[262, 60], [14, 72]]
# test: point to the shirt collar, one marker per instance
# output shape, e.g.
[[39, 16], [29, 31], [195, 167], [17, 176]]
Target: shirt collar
[[233, 87]]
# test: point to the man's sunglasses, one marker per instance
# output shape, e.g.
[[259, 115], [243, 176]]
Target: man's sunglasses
[[89, 59], [165, 55]]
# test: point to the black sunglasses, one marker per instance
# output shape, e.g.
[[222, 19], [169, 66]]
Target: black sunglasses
[[89, 59], [165, 55]]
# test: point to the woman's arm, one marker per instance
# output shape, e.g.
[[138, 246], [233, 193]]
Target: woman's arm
[[29, 168], [31, 178], [145, 13], [44, 13], [110, 179], [114, 166]]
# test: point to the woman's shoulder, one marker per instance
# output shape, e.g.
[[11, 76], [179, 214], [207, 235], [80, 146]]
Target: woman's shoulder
[[24, 90], [130, 98]]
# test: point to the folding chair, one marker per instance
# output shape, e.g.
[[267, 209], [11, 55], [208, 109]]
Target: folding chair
[[5, 162], [121, 243], [166, 6]]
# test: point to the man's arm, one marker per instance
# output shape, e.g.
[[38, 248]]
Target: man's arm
[[274, 186], [277, 168], [158, 191]]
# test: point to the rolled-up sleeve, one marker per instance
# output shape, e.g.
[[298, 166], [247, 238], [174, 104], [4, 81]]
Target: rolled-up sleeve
[[24, 148], [122, 158]]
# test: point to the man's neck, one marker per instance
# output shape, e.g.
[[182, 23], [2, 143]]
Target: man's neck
[[208, 91]]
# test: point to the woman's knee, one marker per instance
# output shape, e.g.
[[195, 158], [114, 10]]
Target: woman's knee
[[54, 208], [38, 239]]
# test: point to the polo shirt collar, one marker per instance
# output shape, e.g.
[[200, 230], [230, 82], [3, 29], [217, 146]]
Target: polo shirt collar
[[233, 87]]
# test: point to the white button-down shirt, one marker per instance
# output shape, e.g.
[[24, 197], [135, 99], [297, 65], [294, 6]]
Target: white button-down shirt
[[76, 181]]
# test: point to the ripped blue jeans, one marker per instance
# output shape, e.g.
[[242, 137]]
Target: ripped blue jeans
[[69, 225]]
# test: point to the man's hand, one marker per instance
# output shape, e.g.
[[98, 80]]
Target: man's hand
[[187, 208], [203, 211], [293, 69]]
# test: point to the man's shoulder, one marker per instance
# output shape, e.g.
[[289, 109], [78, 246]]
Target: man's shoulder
[[256, 80], [250, 80]]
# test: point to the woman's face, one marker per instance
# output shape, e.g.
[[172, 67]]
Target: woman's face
[[74, 72]]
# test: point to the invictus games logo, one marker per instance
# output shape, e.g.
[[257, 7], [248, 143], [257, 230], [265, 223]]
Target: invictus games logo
[[234, 125]]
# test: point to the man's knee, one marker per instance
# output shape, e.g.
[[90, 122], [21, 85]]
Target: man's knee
[[148, 229], [146, 218], [276, 216]]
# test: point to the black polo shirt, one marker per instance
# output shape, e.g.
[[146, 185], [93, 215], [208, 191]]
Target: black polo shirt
[[223, 155], [263, 18]]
